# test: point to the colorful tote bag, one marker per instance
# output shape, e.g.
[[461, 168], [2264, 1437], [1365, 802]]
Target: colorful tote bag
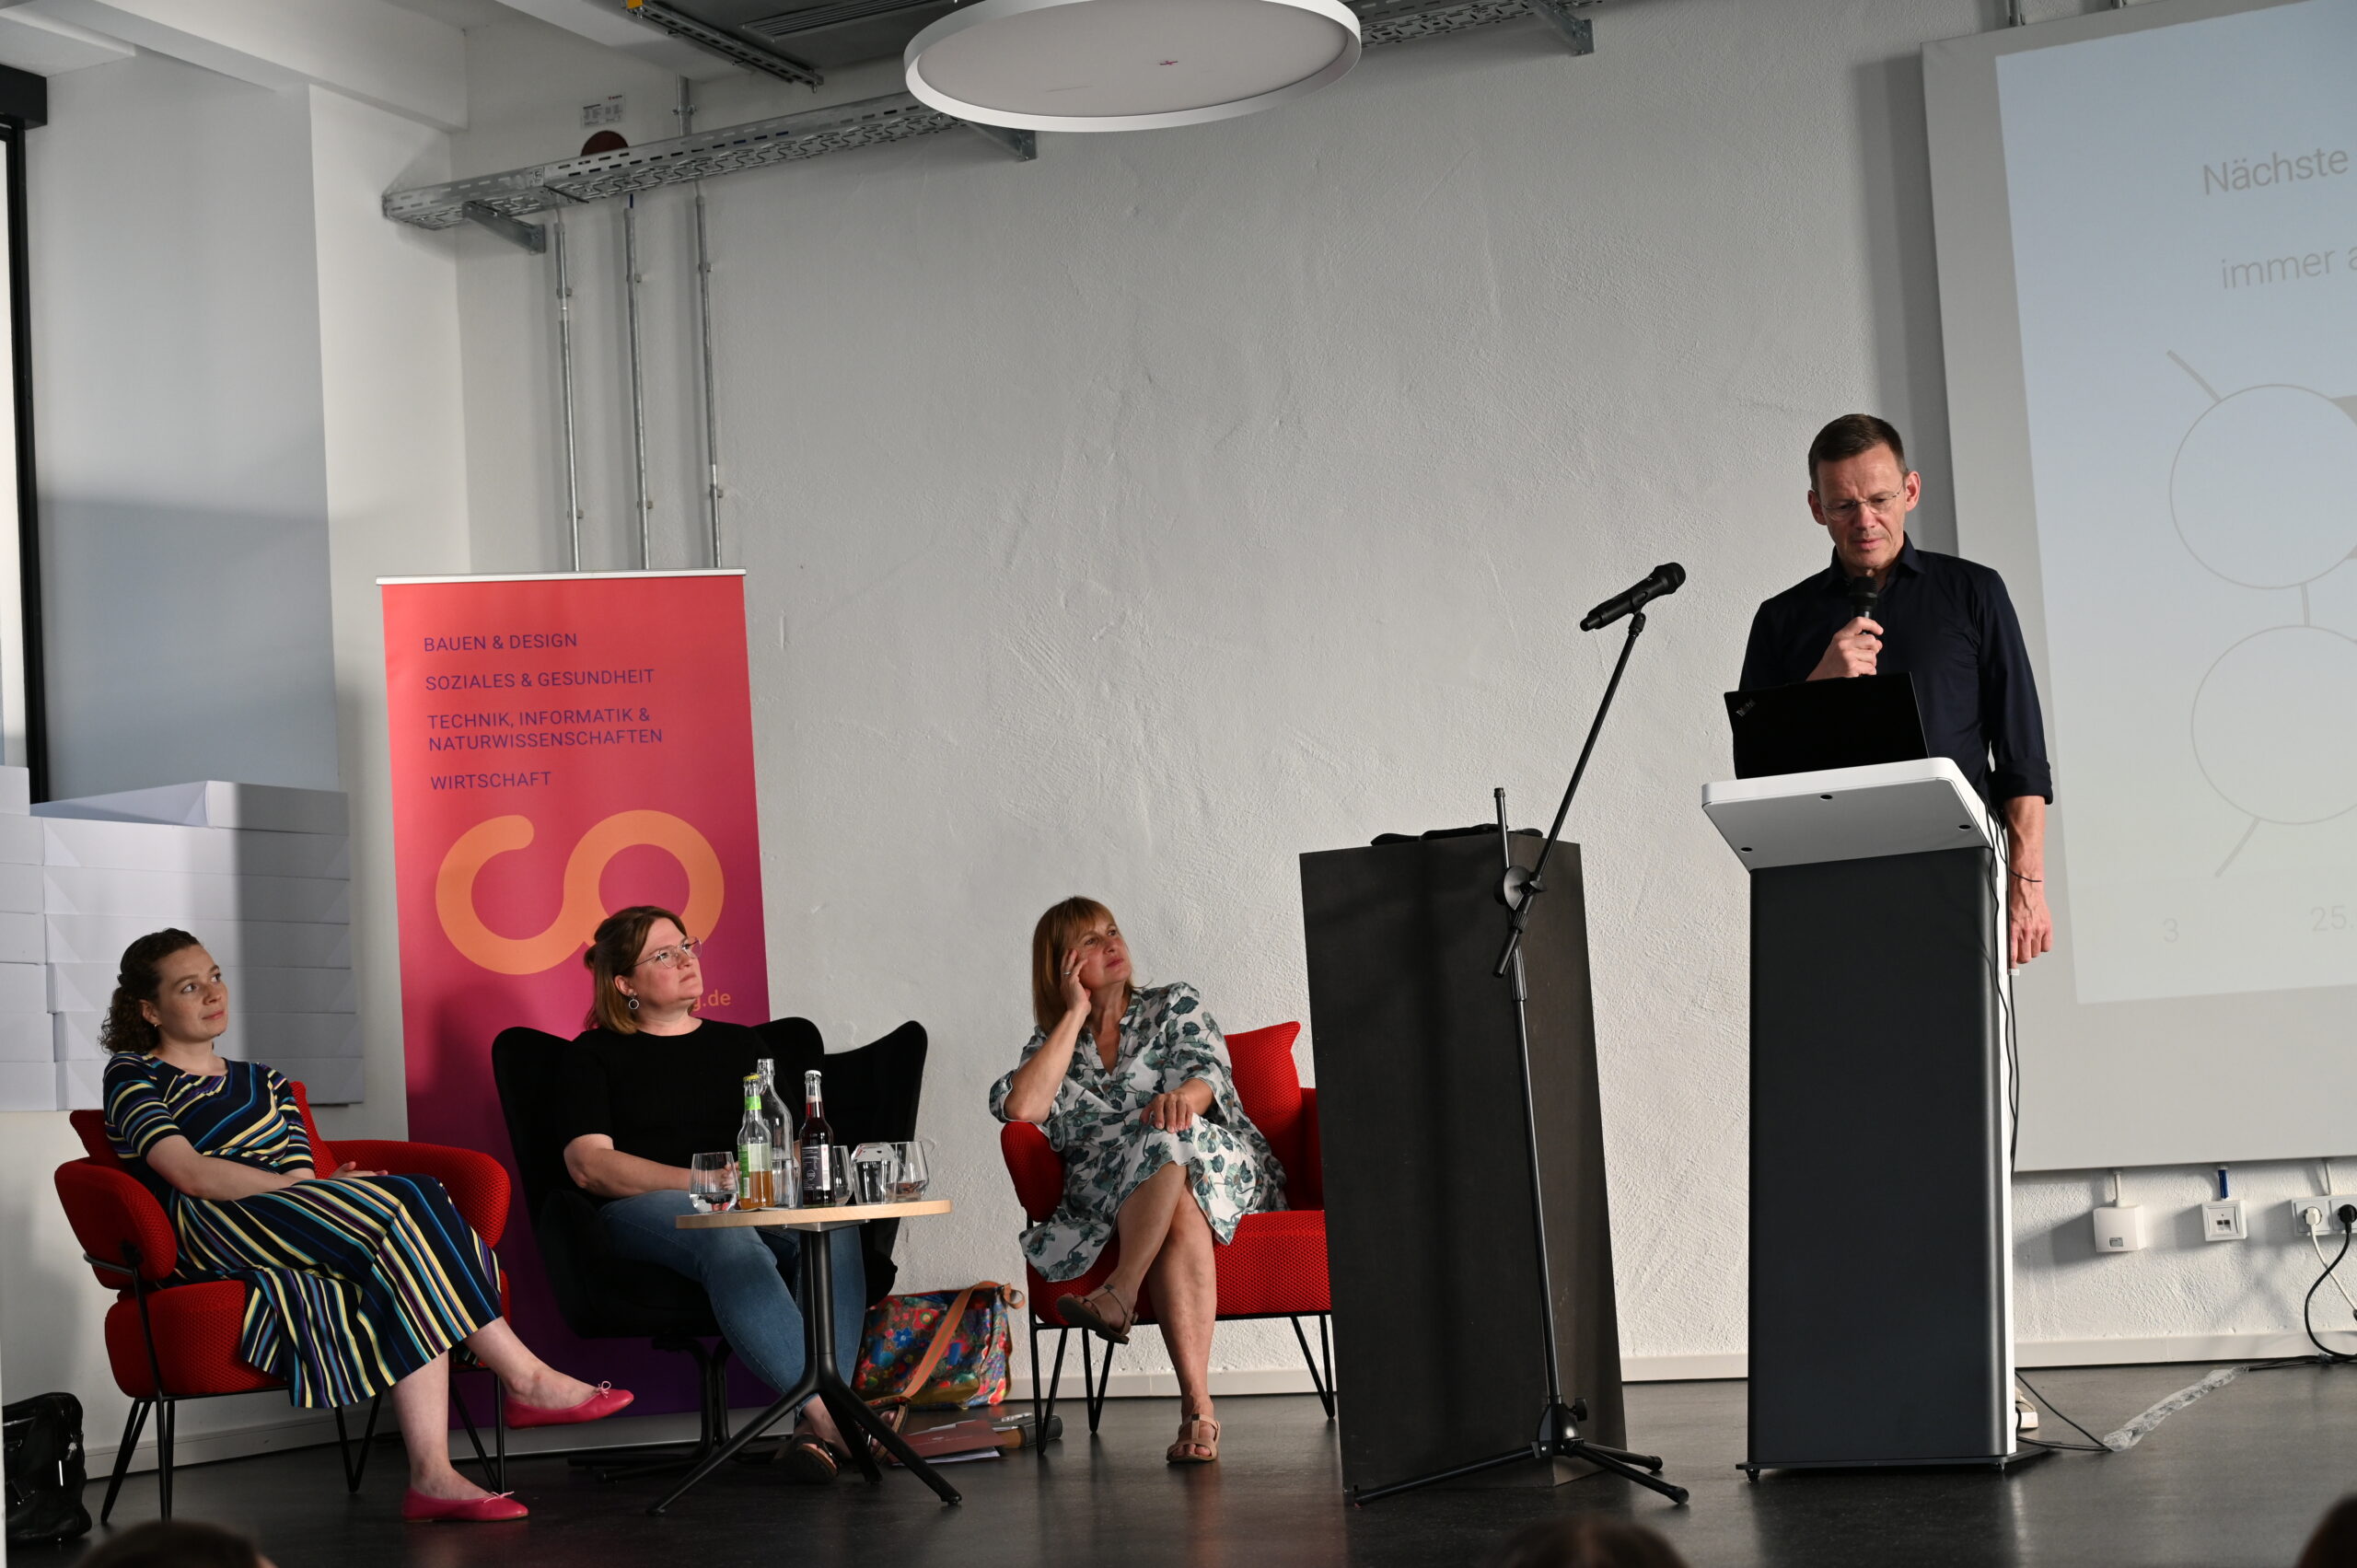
[[938, 1350]]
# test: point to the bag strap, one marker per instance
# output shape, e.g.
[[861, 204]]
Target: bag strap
[[938, 1346]]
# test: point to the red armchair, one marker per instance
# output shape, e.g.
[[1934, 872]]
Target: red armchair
[[169, 1340], [1275, 1268]]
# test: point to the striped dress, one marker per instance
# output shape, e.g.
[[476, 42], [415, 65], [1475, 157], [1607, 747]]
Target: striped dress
[[352, 1283]]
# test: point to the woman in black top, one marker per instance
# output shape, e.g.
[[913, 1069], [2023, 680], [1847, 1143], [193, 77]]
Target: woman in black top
[[652, 1084]]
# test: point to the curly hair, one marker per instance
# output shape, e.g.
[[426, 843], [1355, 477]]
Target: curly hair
[[139, 978], [613, 952]]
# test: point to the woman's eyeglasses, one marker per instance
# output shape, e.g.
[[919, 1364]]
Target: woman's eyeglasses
[[671, 957]]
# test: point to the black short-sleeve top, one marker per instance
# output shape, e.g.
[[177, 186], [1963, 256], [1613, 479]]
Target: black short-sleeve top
[[665, 1097], [246, 1114]]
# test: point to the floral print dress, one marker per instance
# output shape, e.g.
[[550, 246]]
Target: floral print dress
[[1166, 1038]]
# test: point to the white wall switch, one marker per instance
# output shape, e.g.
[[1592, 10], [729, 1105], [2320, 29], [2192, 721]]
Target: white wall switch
[[2223, 1221], [2120, 1228]]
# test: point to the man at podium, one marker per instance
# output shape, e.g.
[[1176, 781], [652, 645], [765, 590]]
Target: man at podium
[[1947, 622]]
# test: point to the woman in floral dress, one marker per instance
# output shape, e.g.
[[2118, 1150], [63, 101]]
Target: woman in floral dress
[[1134, 1090]]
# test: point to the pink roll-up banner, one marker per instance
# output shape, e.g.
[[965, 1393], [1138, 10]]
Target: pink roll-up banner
[[563, 746]]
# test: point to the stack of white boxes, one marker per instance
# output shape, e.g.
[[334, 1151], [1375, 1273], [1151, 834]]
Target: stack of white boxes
[[28, 1071], [259, 874]]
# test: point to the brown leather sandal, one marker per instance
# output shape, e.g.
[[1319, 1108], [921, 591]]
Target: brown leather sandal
[[809, 1460], [1191, 1438], [1078, 1310]]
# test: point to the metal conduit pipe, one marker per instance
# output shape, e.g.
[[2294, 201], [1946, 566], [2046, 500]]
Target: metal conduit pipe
[[704, 322], [637, 380], [564, 378]]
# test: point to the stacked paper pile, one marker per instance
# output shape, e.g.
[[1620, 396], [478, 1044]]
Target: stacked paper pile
[[27, 1073], [259, 874]]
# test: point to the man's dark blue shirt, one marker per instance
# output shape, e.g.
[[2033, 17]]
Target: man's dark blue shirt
[[1951, 625]]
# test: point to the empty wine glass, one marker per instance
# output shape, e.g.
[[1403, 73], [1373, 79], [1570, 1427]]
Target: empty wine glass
[[874, 1168], [910, 1174], [711, 1181]]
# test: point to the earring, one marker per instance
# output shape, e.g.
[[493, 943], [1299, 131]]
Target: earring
[[632, 1003]]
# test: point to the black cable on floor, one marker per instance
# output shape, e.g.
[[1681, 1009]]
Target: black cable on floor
[[2100, 1446]]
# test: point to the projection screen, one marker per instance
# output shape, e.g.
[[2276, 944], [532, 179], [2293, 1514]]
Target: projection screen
[[2147, 241]]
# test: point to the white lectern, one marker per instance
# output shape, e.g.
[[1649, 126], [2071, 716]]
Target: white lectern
[[1881, 1202]]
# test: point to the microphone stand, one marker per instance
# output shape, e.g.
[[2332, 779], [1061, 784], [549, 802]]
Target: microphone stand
[[1522, 887], [1557, 1437]]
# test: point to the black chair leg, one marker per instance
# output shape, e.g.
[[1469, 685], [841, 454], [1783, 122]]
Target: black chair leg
[[1056, 1374], [131, 1428], [711, 1369], [1094, 1387], [1038, 1385], [1323, 1386], [499, 1434], [715, 1391], [354, 1468], [474, 1438], [164, 1456]]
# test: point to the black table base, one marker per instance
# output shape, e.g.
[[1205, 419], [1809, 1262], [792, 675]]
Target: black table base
[[825, 1381]]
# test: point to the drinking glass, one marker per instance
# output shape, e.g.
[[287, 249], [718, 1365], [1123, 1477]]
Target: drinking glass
[[840, 1192], [874, 1168], [910, 1174], [711, 1181]]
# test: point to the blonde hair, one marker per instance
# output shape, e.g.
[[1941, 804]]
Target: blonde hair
[[1050, 940], [613, 953]]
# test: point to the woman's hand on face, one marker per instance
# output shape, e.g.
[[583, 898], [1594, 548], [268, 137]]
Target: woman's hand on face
[[1171, 1112], [1074, 993]]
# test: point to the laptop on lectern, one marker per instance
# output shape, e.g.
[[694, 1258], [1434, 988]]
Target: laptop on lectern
[[1851, 722]]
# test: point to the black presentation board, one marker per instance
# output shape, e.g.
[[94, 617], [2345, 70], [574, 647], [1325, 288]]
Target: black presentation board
[[1428, 1210]]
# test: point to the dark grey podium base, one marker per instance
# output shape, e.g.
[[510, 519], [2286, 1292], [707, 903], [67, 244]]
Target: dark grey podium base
[[1881, 1331], [1974, 1462]]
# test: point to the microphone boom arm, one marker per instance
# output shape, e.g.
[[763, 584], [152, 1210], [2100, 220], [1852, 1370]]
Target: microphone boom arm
[[1519, 897]]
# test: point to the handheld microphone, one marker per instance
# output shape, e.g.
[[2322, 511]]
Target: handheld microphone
[[1666, 580], [1863, 596]]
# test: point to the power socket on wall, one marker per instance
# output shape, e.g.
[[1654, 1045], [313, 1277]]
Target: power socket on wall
[[2314, 1216]]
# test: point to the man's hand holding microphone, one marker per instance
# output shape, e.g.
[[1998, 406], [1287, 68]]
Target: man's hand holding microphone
[[1852, 652]]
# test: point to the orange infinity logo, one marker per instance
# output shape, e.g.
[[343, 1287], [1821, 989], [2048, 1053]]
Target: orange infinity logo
[[454, 886]]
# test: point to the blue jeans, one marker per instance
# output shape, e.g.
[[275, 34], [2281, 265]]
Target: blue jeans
[[738, 1269]]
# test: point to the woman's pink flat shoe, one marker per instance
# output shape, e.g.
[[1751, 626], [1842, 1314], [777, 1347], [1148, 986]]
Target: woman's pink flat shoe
[[418, 1508], [597, 1407]]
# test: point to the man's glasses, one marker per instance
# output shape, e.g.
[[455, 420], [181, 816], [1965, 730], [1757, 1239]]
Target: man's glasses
[[1880, 506], [671, 957]]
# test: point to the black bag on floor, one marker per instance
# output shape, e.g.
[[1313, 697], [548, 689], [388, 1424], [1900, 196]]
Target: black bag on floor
[[44, 1468]]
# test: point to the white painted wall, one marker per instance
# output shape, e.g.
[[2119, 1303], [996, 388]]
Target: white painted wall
[[237, 346], [395, 462], [1132, 521]]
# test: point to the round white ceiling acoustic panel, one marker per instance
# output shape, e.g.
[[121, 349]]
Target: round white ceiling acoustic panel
[[1128, 64]]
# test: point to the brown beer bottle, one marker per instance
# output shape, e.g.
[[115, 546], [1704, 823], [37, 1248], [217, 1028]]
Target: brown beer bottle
[[819, 1189]]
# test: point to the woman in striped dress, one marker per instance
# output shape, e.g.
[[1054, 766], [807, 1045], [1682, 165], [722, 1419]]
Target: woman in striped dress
[[357, 1281]]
